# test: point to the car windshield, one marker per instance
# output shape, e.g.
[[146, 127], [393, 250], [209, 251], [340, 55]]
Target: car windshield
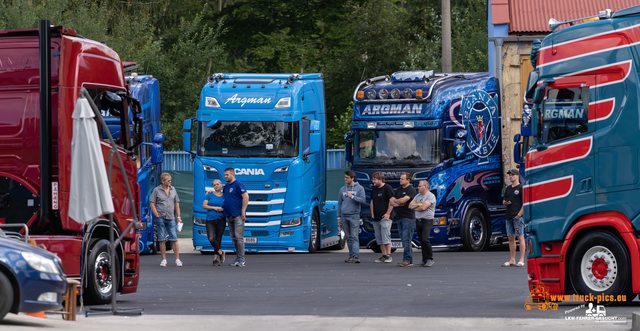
[[249, 139], [405, 148]]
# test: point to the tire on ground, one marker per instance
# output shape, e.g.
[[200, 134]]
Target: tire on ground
[[599, 264], [314, 233], [342, 242], [474, 231], [6, 295], [99, 280]]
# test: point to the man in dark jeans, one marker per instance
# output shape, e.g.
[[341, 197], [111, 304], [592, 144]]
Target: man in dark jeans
[[424, 204], [213, 202], [405, 217], [234, 207]]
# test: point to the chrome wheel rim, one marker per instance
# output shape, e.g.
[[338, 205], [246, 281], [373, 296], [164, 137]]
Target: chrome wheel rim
[[314, 232], [102, 268], [599, 268], [476, 229]]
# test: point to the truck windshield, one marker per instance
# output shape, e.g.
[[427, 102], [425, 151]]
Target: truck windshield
[[249, 139], [405, 148]]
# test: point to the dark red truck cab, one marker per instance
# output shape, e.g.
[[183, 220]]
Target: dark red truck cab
[[36, 129]]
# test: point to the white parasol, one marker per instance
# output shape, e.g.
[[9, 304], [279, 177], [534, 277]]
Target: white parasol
[[90, 194]]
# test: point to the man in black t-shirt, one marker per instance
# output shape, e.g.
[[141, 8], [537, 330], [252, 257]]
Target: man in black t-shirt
[[381, 193], [405, 217], [514, 221]]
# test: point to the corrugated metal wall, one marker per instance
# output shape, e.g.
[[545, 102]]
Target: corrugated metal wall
[[533, 16], [181, 161]]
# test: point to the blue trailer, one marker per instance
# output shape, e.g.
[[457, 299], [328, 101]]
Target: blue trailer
[[443, 128], [146, 89], [271, 129]]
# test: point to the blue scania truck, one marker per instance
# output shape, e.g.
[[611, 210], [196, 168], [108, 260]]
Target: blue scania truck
[[148, 155], [271, 129], [443, 128]]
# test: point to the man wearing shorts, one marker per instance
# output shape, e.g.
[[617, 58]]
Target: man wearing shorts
[[381, 215], [164, 204], [514, 222]]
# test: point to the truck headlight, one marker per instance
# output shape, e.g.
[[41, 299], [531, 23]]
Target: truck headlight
[[40, 263], [290, 223], [200, 222], [284, 103], [211, 102], [282, 169]]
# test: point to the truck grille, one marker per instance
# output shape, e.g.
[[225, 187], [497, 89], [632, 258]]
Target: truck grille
[[258, 208], [258, 197], [256, 185]]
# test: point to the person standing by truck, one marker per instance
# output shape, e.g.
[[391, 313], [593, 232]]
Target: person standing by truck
[[405, 217], [381, 215], [216, 222], [424, 205], [350, 197], [235, 204], [514, 222], [164, 203]]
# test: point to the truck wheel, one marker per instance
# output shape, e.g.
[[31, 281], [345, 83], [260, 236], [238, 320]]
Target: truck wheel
[[154, 247], [6, 295], [99, 280], [341, 243], [314, 234], [599, 264], [474, 231], [375, 247]]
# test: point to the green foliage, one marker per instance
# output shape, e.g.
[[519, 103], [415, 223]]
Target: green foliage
[[370, 42], [181, 70], [468, 39], [181, 42], [341, 125]]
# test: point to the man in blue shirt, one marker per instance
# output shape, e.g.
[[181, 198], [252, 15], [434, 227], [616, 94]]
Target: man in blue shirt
[[235, 204]]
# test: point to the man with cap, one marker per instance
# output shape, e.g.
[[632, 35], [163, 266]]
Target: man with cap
[[514, 222]]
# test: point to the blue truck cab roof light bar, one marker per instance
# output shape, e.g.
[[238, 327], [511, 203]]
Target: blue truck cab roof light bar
[[405, 80]]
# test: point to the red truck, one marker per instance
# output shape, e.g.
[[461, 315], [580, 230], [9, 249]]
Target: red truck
[[41, 74]]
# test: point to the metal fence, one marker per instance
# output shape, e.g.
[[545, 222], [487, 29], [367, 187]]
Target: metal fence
[[181, 161]]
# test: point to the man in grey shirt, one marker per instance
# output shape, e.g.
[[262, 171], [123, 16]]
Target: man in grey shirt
[[164, 204], [424, 203]]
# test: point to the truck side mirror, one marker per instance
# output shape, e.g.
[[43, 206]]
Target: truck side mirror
[[538, 96], [314, 142], [516, 138], [517, 152], [186, 135], [314, 136], [137, 131], [158, 138], [348, 147], [156, 153]]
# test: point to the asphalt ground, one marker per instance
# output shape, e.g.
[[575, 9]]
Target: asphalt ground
[[460, 284], [320, 291]]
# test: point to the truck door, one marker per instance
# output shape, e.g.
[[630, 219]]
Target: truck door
[[560, 171], [615, 148]]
